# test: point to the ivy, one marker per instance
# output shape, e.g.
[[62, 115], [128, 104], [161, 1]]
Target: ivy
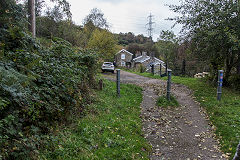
[[39, 87]]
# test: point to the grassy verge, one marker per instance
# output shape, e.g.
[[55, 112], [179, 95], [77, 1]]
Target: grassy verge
[[163, 102], [225, 115], [110, 129]]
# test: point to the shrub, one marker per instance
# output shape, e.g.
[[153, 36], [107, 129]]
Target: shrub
[[234, 81], [38, 88], [142, 69]]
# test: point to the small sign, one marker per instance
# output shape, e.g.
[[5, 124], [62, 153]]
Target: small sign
[[221, 77], [220, 84]]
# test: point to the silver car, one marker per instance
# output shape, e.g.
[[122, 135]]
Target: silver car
[[108, 66]]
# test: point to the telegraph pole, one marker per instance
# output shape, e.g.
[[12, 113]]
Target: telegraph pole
[[150, 26], [32, 17]]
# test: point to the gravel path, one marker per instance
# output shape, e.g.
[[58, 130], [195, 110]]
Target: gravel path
[[182, 133]]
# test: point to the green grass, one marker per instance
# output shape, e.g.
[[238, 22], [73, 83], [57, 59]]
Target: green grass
[[225, 115], [163, 102], [110, 129]]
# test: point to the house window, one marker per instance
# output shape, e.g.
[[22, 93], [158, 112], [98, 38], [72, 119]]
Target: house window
[[122, 56], [123, 64]]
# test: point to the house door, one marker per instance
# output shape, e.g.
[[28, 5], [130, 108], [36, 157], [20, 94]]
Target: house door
[[123, 64]]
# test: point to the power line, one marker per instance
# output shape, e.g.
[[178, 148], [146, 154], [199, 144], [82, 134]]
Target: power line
[[124, 24], [150, 26]]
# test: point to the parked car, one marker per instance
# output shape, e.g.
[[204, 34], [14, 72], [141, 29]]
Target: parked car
[[108, 66]]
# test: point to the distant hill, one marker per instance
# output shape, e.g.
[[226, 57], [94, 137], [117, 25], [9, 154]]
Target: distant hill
[[125, 39]]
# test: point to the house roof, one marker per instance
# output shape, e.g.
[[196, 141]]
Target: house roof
[[124, 50], [158, 60], [141, 59]]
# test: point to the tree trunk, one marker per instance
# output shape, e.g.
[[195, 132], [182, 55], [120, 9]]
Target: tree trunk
[[32, 17]]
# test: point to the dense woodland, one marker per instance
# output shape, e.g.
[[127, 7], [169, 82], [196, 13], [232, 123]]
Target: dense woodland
[[43, 79]]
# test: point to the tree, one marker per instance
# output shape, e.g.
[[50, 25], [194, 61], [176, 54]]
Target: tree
[[104, 43], [88, 31], [129, 38], [71, 32], [167, 46], [96, 18], [168, 36], [60, 11], [213, 27], [64, 7], [46, 27], [39, 4], [134, 48], [61, 7]]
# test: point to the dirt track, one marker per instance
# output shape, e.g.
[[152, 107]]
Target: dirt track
[[180, 133]]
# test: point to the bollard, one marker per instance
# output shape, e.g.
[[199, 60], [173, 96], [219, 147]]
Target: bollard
[[160, 71], [169, 74], [237, 154], [118, 82], [220, 81], [152, 69], [166, 68]]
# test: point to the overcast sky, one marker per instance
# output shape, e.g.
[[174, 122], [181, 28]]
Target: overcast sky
[[128, 15]]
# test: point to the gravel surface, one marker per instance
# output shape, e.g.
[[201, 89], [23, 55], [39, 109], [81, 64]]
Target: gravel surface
[[184, 132]]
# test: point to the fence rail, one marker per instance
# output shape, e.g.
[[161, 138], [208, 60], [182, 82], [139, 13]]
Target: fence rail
[[157, 70]]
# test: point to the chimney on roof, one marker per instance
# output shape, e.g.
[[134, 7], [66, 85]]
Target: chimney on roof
[[138, 53], [152, 54], [144, 54]]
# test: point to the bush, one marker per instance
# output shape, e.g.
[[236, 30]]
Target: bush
[[142, 69], [234, 81], [38, 88]]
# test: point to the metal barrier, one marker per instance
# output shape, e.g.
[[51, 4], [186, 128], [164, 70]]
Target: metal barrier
[[169, 73]]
